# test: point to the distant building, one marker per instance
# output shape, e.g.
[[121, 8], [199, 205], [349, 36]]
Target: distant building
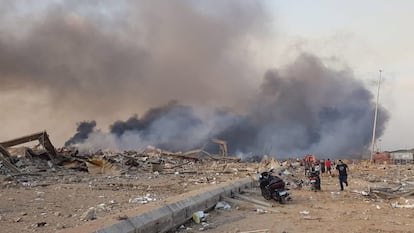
[[402, 156], [394, 157], [382, 157]]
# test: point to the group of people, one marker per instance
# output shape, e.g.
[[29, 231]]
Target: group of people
[[321, 167], [326, 167]]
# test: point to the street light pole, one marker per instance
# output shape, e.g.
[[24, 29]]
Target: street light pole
[[375, 119]]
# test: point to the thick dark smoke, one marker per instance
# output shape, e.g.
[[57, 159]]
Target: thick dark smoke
[[82, 132], [303, 108], [88, 60], [307, 107], [171, 126]]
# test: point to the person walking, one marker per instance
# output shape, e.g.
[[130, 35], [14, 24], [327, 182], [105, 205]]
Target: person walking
[[342, 169], [328, 166], [322, 163]]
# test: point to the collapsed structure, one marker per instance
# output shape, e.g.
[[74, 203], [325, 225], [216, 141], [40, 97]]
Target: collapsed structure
[[104, 182], [100, 161], [44, 141]]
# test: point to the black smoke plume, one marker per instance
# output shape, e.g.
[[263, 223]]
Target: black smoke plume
[[171, 127], [82, 132], [305, 107]]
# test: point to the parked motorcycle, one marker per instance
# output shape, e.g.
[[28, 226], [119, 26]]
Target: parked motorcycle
[[273, 187], [315, 181]]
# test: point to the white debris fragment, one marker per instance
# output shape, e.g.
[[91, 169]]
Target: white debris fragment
[[397, 205], [89, 215], [222, 205], [142, 200], [198, 216]]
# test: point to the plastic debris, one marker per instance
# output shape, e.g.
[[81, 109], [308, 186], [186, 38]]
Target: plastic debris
[[89, 215], [198, 216], [222, 205], [142, 200]]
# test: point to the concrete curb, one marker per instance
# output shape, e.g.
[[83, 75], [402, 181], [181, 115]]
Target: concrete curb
[[172, 215]]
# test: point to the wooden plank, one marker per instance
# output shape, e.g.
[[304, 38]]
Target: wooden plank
[[257, 231], [21, 140], [4, 155]]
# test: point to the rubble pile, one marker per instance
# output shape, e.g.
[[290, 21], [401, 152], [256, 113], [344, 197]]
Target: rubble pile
[[387, 182], [25, 165], [46, 189], [53, 185]]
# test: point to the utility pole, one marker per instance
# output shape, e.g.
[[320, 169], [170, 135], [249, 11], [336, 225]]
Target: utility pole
[[375, 119]]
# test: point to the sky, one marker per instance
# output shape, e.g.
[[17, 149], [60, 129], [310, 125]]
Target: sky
[[54, 77]]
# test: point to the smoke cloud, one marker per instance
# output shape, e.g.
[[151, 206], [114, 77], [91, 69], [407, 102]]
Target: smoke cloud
[[82, 132], [305, 107], [126, 60], [104, 58]]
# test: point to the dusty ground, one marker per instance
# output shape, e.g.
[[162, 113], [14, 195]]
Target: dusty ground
[[56, 201], [327, 211]]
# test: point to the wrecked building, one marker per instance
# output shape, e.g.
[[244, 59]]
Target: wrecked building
[[402, 156]]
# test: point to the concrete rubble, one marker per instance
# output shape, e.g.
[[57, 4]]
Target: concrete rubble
[[62, 183]]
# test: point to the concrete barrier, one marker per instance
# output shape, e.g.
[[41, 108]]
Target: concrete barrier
[[173, 215]]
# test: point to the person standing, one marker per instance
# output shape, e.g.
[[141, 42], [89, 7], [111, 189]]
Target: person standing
[[328, 166], [342, 169], [322, 163]]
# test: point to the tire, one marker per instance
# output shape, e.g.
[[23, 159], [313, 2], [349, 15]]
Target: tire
[[282, 200], [266, 194]]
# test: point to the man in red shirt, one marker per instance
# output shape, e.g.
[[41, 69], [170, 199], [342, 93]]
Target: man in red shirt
[[328, 166]]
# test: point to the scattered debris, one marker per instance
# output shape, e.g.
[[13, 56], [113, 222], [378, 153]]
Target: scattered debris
[[89, 215], [198, 217], [222, 205], [363, 193], [122, 217], [390, 193], [312, 218], [257, 231], [408, 204], [142, 200], [135, 175], [41, 224], [43, 139], [261, 211], [101, 166], [4, 161]]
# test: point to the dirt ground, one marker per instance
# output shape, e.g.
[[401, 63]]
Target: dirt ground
[[60, 200], [54, 201], [329, 210]]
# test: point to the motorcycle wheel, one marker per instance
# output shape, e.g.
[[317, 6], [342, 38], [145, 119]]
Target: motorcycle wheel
[[313, 188], [282, 200], [266, 194]]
